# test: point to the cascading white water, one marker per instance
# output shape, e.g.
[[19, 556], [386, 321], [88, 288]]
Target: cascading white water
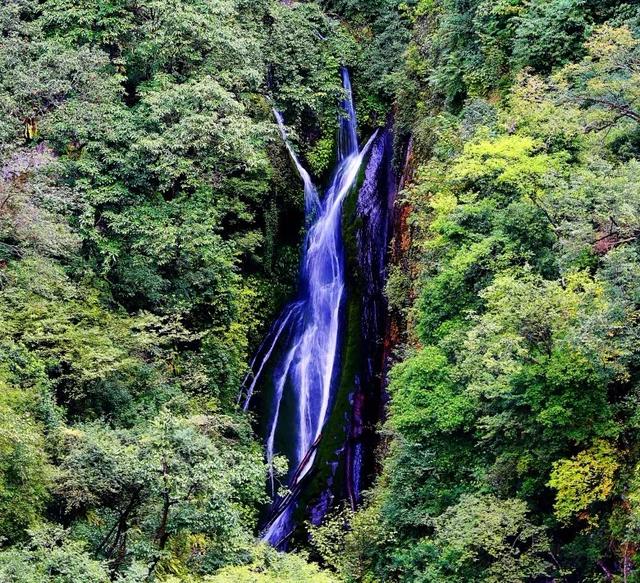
[[306, 337], [311, 200]]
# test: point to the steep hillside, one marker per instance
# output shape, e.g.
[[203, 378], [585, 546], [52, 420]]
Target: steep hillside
[[151, 229]]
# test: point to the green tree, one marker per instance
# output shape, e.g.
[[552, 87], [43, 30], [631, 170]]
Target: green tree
[[269, 566], [486, 539], [177, 496], [51, 557]]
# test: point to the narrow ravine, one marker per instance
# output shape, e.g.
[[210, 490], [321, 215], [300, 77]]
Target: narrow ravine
[[298, 363]]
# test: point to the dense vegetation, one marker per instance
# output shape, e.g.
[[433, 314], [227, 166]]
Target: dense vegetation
[[142, 195], [149, 231], [512, 450]]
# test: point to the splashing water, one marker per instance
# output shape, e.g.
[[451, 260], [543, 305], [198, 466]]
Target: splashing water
[[306, 336]]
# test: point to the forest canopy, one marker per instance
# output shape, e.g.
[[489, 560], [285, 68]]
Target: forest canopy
[[142, 195], [150, 231]]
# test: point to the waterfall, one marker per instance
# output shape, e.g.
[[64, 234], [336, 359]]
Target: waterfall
[[304, 342]]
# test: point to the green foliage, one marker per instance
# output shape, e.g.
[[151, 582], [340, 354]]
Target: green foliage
[[44, 80], [551, 33], [424, 397], [270, 566], [583, 480], [91, 357], [149, 230], [605, 81], [485, 539], [51, 557], [158, 493], [25, 472], [306, 50], [463, 50], [351, 541], [512, 421], [321, 156]]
